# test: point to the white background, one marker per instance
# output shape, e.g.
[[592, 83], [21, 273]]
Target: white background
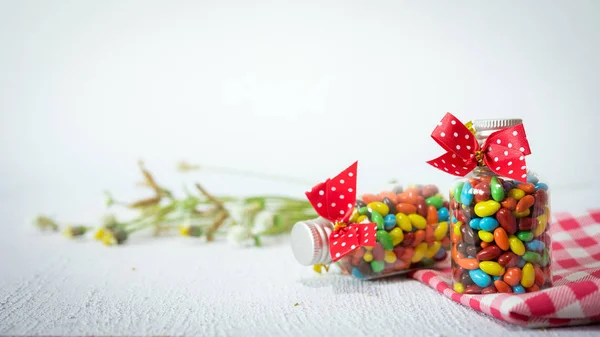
[[292, 88]]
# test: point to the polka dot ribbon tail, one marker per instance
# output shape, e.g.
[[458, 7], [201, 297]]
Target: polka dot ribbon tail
[[503, 151], [334, 200]]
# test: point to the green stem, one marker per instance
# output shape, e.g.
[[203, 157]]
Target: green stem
[[257, 241]]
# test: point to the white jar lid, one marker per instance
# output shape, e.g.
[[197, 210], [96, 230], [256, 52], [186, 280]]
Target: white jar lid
[[310, 241]]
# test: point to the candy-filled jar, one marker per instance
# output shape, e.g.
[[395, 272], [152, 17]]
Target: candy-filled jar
[[374, 235], [500, 225]]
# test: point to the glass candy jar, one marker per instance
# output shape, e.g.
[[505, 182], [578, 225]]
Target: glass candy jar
[[409, 230], [500, 225]]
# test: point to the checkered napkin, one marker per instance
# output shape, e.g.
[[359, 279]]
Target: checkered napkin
[[574, 298]]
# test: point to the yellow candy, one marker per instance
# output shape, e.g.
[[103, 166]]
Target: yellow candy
[[486, 208], [457, 228], [542, 224], [418, 221], [440, 230], [434, 248], [420, 251], [403, 222], [516, 245], [379, 207], [458, 287], [491, 268], [486, 236], [368, 257], [390, 257], [516, 193], [528, 275], [354, 215], [368, 249], [522, 214], [397, 235], [361, 218]]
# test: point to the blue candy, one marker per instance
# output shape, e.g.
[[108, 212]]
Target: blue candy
[[521, 262], [532, 179], [356, 273], [518, 289], [488, 224], [466, 195], [541, 186], [474, 223], [480, 278], [389, 222], [497, 278], [454, 219], [535, 245], [443, 214]]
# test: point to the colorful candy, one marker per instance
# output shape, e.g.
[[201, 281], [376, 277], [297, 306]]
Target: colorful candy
[[499, 235], [412, 232]]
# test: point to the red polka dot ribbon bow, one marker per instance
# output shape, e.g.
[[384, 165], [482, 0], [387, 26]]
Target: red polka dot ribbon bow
[[334, 200], [503, 151]]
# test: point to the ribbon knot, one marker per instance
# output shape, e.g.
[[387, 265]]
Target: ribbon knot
[[503, 152], [339, 225], [334, 200]]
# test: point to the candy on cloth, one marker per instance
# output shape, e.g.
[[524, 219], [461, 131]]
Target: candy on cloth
[[574, 298], [334, 200]]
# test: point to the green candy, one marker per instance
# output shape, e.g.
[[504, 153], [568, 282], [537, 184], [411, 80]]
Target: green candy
[[457, 191], [363, 210], [435, 201], [532, 257], [385, 239], [377, 266], [377, 218], [525, 236], [427, 262], [497, 189], [545, 258]]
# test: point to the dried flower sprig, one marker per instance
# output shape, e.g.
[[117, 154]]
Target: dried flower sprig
[[242, 220]]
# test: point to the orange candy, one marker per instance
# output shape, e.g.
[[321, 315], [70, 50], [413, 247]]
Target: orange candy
[[469, 264], [432, 215], [502, 286], [406, 198], [501, 238], [484, 244], [406, 208], [429, 236], [419, 237], [524, 204], [509, 203], [456, 255], [532, 289], [473, 181], [407, 254], [388, 194], [369, 198], [527, 188], [512, 276]]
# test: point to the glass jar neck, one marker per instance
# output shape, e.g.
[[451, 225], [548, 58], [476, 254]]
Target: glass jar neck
[[485, 127]]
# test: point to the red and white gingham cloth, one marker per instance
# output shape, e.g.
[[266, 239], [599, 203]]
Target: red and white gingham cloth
[[574, 298]]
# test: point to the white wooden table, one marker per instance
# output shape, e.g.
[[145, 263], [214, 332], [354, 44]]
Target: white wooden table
[[178, 286]]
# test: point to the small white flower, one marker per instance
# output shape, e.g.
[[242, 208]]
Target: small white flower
[[263, 221], [238, 234]]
